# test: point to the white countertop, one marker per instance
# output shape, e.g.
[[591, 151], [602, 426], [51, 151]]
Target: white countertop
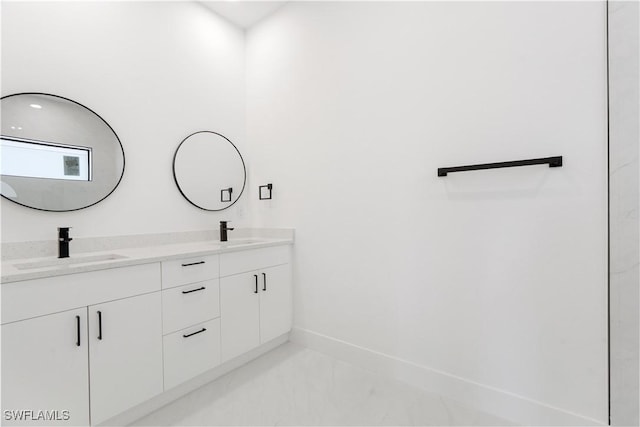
[[83, 262]]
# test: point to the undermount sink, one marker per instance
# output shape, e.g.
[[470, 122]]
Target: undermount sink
[[59, 262], [239, 242]]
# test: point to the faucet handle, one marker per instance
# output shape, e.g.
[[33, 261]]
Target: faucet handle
[[63, 234]]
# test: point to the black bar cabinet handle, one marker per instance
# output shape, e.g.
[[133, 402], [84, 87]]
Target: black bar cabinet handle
[[553, 162], [78, 331], [256, 276], [99, 325], [194, 290], [193, 263], [264, 281], [194, 333]]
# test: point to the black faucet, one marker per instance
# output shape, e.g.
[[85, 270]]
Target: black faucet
[[223, 231], [63, 242]]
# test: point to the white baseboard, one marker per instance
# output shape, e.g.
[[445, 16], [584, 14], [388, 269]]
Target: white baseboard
[[509, 406], [169, 396]]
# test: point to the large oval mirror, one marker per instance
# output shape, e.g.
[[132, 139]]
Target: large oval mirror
[[57, 154], [209, 171]]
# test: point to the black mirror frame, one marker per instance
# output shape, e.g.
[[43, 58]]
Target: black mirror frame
[[175, 178], [104, 121]]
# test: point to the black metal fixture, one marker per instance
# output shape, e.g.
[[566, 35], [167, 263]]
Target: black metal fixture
[[267, 191], [193, 263], [194, 333], [256, 277], [63, 242], [78, 331], [99, 325], [226, 191], [553, 162], [202, 288], [223, 230]]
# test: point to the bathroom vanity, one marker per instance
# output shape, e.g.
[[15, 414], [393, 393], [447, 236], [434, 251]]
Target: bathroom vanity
[[86, 339]]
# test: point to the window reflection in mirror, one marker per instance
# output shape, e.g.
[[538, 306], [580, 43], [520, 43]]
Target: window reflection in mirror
[[48, 160]]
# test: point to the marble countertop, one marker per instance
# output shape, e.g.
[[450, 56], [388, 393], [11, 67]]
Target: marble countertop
[[35, 268]]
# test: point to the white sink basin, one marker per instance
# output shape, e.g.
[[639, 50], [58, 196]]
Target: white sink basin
[[59, 262]]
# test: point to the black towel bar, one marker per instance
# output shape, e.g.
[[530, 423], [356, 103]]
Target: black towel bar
[[553, 162]]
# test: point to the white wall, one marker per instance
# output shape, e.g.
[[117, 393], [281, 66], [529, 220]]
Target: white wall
[[156, 72], [624, 140], [495, 278]]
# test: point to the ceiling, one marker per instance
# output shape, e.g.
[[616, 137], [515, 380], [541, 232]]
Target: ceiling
[[244, 14]]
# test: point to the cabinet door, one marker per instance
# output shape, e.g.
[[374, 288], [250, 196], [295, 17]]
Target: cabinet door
[[239, 314], [125, 350], [45, 368], [275, 302]]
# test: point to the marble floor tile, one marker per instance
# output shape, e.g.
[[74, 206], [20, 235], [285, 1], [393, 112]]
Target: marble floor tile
[[293, 385]]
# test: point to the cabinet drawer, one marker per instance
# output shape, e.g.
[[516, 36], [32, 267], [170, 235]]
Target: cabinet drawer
[[190, 304], [189, 352], [189, 270], [240, 262]]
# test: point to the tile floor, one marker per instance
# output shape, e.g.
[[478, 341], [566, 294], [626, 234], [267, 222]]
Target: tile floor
[[292, 385]]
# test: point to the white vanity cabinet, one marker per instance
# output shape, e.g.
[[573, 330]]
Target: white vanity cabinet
[[45, 367], [83, 348], [255, 303], [191, 318], [187, 305], [189, 270], [94, 360], [190, 352], [240, 314], [125, 350], [275, 302]]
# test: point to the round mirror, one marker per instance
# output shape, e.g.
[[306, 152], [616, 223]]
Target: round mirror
[[57, 154], [209, 171]]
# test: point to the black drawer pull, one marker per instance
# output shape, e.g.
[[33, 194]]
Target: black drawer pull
[[78, 331], [194, 290], [99, 325], [193, 263], [194, 333], [264, 281], [256, 276]]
